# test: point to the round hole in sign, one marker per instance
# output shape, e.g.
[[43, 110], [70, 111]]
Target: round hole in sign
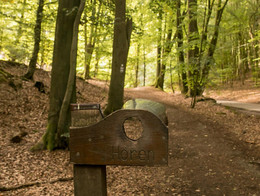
[[133, 128]]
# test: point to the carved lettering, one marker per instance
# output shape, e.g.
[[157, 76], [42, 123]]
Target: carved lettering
[[142, 155], [115, 153], [133, 154], [124, 154]]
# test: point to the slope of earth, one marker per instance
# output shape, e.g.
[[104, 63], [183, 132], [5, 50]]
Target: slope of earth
[[24, 113], [212, 150]]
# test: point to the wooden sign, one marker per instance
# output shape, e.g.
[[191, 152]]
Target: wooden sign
[[106, 143]]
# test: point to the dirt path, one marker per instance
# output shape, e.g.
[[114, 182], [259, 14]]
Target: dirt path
[[205, 159]]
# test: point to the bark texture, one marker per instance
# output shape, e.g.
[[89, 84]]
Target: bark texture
[[59, 76]]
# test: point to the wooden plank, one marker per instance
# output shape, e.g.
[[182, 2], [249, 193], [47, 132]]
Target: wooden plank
[[106, 143]]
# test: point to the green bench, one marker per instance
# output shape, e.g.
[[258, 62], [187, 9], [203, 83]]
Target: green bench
[[156, 108]]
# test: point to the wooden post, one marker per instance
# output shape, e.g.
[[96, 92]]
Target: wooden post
[[89, 180]]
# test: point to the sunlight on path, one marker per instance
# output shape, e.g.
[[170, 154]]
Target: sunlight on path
[[245, 106]]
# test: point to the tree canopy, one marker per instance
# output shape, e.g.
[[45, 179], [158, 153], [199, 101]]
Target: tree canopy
[[154, 52]]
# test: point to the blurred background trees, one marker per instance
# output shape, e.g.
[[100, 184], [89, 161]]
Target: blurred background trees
[[161, 42]]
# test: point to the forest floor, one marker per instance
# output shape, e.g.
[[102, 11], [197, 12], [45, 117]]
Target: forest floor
[[213, 150]]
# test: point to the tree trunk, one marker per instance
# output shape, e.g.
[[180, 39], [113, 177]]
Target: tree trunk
[[204, 34], [37, 39], [67, 11], [72, 74], [165, 53], [97, 63], [180, 54], [212, 47], [254, 32], [243, 62], [90, 44], [121, 43], [21, 21], [144, 75], [137, 64], [98, 52], [159, 64], [89, 48], [159, 54], [171, 80], [193, 52]]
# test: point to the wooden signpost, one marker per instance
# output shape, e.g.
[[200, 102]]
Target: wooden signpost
[[106, 143]]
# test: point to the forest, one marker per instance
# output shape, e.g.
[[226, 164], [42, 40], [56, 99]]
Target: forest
[[223, 34], [172, 45], [108, 51]]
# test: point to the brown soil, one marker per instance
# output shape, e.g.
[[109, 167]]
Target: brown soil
[[212, 150]]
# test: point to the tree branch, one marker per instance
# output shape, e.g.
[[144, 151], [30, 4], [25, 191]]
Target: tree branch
[[34, 184]]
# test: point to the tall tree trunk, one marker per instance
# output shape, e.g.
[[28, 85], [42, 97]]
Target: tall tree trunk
[[212, 46], [167, 46], [159, 63], [72, 75], [19, 31], [204, 34], [37, 39], [97, 63], [121, 43], [90, 43], [98, 53], [159, 53], [254, 45], [193, 52], [67, 11], [14, 55], [180, 54], [171, 80], [42, 52], [144, 74], [137, 65], [165, 53], [243, 62]]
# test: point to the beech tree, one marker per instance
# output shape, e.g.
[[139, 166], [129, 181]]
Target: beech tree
[[61, 93], [37, 39], [180, 52], [90, 39], [121, 43], [164, 40], [208, 58], [193, 48]]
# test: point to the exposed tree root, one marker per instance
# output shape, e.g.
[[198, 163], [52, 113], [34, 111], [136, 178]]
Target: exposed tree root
[[34, 184], [38, 146]]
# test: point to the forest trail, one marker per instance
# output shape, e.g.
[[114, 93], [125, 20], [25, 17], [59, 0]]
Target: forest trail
[[204, 159], [212, 150]]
